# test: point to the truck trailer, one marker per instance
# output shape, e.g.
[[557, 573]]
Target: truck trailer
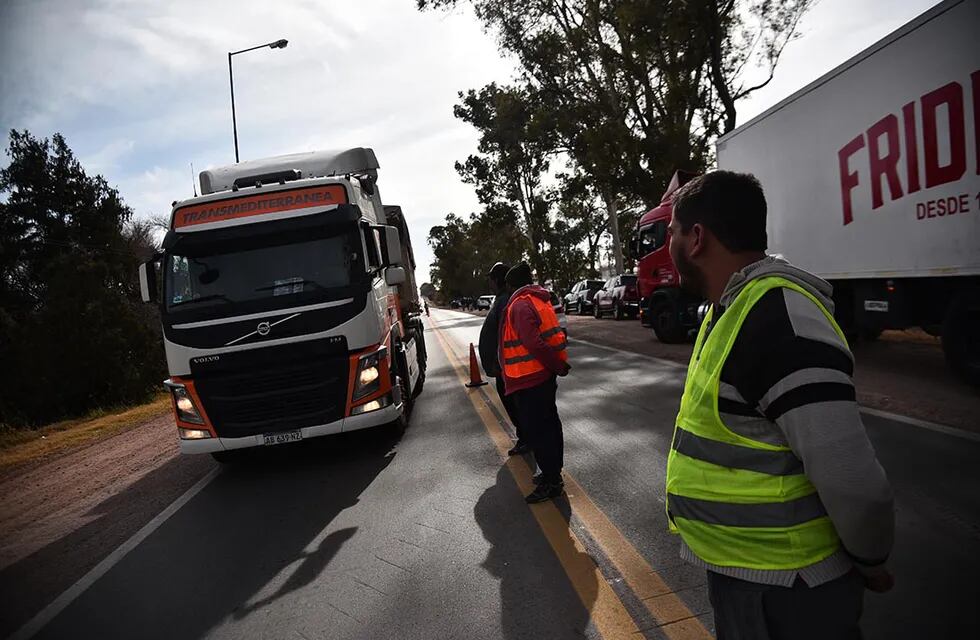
[[288, 302], [872, 178]]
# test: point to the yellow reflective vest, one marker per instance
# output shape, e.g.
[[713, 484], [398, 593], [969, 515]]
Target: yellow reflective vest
[[736, 501]]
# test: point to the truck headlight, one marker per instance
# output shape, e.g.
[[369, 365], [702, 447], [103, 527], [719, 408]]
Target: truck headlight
[[187, 411], [374, 405], [368, 377]]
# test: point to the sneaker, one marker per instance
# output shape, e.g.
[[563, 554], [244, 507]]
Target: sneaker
[[519, 449], [544, 491]]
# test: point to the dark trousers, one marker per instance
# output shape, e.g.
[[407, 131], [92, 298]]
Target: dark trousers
[[511, 408], [751, 611], [538, 416]]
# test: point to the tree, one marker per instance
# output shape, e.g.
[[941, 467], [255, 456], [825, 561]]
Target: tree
[[737, 33], [465, 250], [516, 140], [73, 335], [638, 88]]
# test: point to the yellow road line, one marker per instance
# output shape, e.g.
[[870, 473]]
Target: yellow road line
[[659, 599], [607, 613]]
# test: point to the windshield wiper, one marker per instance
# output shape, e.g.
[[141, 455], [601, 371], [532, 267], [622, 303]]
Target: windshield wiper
[[213, 296], [292, 282]]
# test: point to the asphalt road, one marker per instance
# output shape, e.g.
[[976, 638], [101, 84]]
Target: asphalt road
[[426, 535]]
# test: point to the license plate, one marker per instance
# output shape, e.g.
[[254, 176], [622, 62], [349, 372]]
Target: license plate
[[282, 437]]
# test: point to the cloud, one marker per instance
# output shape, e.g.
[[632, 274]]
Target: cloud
[[140, 90]]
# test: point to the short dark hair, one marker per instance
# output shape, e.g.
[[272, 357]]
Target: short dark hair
[[519, 275], [731, 205]]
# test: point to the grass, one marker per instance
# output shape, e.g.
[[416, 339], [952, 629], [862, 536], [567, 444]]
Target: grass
[[21, 446]]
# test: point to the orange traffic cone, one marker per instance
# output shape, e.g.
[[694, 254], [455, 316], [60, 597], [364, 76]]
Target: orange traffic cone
[[476, 380]]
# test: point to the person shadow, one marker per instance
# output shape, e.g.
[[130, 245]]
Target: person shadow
[[537, 598], [314, 563]]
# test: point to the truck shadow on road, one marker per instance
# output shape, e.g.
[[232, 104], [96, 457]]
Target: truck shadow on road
[[222, 555], [537, 600]]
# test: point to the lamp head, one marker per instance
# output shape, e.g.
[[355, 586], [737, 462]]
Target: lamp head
[[279, 44]]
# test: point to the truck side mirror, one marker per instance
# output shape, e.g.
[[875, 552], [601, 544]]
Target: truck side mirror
[[148, 281], [393, 247], [394, 276]]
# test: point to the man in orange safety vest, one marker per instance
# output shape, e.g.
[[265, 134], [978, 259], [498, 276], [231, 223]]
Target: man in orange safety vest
[[532, 355]]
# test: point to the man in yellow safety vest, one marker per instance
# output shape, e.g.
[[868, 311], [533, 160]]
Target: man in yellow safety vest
[[772, 483]]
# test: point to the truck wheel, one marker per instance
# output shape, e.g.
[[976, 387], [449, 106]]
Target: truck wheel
[[618, 311], [596, 312], [663, 319], [961, 335], [580, 307], [400, 380]]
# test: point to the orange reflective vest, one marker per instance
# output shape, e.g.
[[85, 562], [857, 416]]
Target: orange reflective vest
[[518, 361]]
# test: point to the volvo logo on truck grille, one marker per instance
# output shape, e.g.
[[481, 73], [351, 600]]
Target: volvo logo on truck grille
[[263, 329]]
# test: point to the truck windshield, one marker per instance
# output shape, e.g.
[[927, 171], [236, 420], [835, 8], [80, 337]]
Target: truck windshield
[[259, 272]]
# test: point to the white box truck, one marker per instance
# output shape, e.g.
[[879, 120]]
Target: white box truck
[[872, 176], [288, 303]]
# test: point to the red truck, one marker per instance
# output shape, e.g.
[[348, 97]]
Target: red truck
[[671, 311]]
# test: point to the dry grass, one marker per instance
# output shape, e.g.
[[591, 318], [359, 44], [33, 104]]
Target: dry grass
[[20, 446]]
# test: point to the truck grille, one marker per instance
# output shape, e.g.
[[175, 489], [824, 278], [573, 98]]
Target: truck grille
[[299, 388]]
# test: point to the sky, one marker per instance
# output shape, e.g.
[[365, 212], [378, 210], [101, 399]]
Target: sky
[[140, 89]]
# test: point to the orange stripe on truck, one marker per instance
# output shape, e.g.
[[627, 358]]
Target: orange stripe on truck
[[257, 205]]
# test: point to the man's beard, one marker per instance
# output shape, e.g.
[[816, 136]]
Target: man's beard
[[692, 278]]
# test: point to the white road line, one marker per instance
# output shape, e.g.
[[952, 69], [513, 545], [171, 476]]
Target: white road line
[[924, 424], [60, 603], [666, 363], [915, 422]]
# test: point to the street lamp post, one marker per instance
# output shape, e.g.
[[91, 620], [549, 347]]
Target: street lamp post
[[278, 44]]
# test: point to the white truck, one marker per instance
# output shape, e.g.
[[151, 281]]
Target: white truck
[[872, 175], [288, 304]]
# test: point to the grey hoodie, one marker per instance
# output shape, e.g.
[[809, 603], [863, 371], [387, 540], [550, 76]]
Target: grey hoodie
[[788, 381]]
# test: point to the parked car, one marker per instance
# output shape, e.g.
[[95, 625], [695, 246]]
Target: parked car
[[618, 296], [455, 304], [467, 303], [579, 299], [484, 303], [559, 308]]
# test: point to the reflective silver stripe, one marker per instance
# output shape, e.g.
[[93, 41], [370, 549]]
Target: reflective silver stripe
[[730, 514], [733, 456], [518, 359], [544, 336], [802, 377]]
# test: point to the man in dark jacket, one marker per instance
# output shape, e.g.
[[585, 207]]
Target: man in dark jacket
[[489, 337], [532, 352]]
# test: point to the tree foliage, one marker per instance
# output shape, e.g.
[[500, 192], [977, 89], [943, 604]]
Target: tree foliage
[[516, 140], [629, 90], [73, 334]]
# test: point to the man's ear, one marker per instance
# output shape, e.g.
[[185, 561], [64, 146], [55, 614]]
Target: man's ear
[[698, 242]]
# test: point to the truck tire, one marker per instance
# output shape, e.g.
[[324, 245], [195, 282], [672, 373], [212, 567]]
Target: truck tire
[[596, 311], [399, 424], [663, 317], [580, 307], [961, 335], [618, 311]]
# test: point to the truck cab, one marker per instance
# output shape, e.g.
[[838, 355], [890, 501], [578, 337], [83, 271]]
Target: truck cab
[[664, 306], [288, 304]]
